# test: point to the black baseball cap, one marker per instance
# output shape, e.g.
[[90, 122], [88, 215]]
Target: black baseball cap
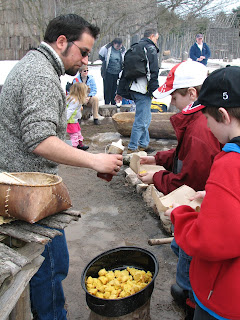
[[220, 89]]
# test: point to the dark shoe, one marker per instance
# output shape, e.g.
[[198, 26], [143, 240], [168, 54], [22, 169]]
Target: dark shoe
[[146, 149], [179, 295], [96, 122], [83, 147]]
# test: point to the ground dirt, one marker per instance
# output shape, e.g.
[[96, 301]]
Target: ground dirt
[[113, 215]]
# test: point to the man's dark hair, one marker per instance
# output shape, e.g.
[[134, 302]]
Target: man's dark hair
[[117, 40], [71, 26], [149, 32]]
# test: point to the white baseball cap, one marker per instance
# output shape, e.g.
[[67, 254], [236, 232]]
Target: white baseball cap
[[183, 75]]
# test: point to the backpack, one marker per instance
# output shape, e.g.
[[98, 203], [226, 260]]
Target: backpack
[[135, 62]]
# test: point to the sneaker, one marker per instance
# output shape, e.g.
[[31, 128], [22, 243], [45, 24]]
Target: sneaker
[[83, 147], [146, 149], [96, 122], [132, 151]]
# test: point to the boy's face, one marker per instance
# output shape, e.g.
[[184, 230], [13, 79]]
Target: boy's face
[[179, 101], [218, 129]]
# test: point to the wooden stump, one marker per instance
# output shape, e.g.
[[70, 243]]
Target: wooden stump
[[107, 110]]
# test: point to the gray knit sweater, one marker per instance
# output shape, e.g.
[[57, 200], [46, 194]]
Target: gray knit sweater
[[32, 108]]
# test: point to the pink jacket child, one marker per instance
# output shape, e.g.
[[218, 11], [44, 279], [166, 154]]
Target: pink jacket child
[[75, 99]]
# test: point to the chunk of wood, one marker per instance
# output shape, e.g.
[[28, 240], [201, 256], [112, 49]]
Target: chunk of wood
[[72, 212], [22, 234], [35, 228], [11, 296], [153, 242], [7, 253]]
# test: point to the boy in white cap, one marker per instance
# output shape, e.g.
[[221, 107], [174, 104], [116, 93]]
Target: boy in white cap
[[190, 162], [211, 236]]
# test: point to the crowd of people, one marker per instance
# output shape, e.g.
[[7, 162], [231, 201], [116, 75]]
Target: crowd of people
[[36, 114]]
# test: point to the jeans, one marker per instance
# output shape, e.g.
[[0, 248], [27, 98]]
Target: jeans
[[46, 292], [201, 314], [110, 88], [183, 265], [143, 117]]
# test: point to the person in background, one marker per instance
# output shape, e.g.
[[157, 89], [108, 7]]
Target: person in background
[[211, 235], [76, 98], [111, 55], [141, 91], [33, 130], [200, 51], [189, 163], [92, 99]]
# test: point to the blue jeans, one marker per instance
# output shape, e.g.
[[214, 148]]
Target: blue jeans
[[143, 117], [183, 265], [47, 297]]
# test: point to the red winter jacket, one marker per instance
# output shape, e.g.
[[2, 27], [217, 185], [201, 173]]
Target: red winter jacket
[[197, 148], [211, 237]]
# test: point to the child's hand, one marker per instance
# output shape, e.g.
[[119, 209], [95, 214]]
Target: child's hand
[[199, 195], [118, 98], [169, 211], [81, 108], [147, 160], [146, 177]]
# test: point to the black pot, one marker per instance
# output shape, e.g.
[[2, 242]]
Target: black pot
[[120, 258]]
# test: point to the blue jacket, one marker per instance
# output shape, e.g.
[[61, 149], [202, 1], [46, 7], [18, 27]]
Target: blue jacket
[[195, 52], [90, 83]]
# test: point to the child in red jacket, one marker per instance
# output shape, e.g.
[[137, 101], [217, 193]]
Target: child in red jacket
[[189, 163], [211, 236]]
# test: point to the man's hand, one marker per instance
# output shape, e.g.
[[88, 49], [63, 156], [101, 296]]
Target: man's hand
[[108, 163]]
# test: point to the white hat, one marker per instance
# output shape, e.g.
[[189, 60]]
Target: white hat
[[184, 75]]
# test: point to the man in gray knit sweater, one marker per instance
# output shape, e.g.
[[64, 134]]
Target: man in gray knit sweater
[[32, 132]]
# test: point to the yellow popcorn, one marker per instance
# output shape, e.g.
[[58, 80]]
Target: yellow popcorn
[[102, 272], [119, 283], [103, 279]]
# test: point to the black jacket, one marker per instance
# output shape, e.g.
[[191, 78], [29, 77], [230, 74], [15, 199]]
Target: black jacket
[[152, 54]]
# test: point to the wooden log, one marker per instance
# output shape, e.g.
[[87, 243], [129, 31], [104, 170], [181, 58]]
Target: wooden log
[[72, 212], [50, 233], [54, 224], [65, 218], [11, 296], [22, 234], [153, 242], [7, 253]]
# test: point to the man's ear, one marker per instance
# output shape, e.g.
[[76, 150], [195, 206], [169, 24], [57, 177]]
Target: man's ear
[[61, 43], [226, 119]]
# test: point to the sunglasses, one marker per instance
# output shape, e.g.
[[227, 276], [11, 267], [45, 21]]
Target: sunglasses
[[83, 53], [85, 70]]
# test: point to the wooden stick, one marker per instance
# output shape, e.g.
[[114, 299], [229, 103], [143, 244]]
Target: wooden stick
[[153, 242]]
